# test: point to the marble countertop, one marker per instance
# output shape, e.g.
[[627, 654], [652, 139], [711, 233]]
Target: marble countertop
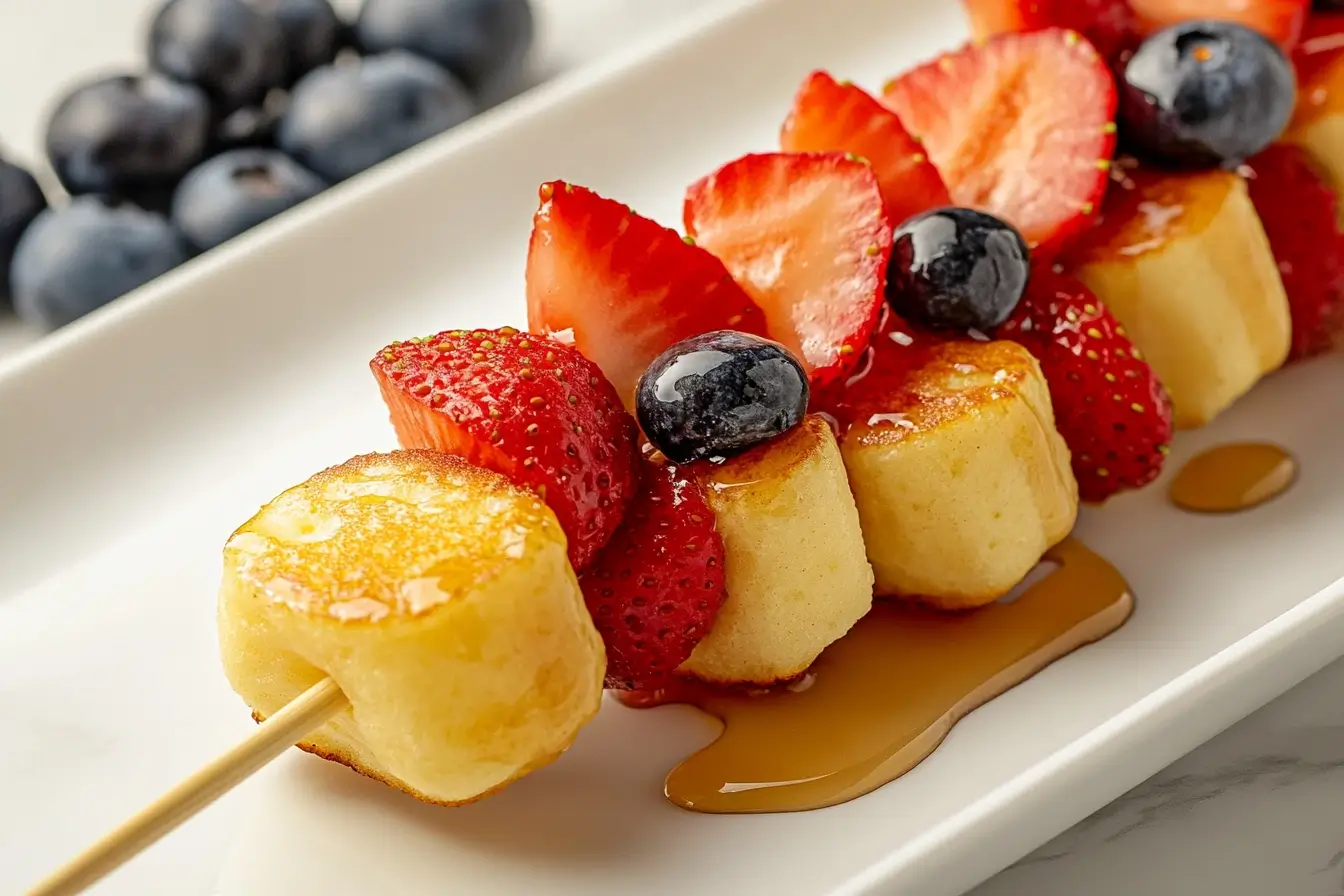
[[1259, 810]]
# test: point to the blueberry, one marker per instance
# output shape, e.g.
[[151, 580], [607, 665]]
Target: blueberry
[[251, 126], [1206, 93], [131, 136], [238, 190], [232, 51], [955, 267], [74, 259], [484, 42], [719, 394], [312, 33], [21, 201], [345, 118]]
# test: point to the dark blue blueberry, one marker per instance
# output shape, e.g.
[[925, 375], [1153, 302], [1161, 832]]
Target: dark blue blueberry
[[251, 126], [232, 51], [237, 190], [719, 394], [312, 33], [1205, 94], [347, 117], [484, 42], [75, 259], [131, 136], [21, 201], [955, 267]]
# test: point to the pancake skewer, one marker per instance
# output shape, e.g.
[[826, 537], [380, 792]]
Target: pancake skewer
[[408, 615]]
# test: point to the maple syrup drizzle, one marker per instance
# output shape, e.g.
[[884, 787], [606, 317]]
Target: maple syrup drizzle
[[881, 699], [1233, 477]]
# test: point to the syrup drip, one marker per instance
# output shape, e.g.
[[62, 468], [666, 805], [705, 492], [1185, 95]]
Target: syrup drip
[[882, 698], [1233, 477]]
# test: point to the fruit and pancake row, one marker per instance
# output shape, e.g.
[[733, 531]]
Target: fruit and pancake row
[[887, 360]]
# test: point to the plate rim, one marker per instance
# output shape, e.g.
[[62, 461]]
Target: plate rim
[[1319, 617]]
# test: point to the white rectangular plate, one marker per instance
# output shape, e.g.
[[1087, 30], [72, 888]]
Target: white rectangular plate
[[133, 442]]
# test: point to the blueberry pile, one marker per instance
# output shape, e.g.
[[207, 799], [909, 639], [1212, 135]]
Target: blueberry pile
[[246, 108]]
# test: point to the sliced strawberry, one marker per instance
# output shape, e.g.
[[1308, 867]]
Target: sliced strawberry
[[623, 288], [525, 406], [839, 117], [1279, 20], [1301, 213], [1022, 127], [1109, 24], [1109, 406], [807, 237], [655, 589]]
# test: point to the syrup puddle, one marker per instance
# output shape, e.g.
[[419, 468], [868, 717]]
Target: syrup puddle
[[882, 698], [1233, 477]]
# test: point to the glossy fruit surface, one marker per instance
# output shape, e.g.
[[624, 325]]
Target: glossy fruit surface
[[345, 118], [655, 590], [807, 236], [130, 136], [1112, 411], [622, 288], [717, 395], [483, 42], [1206, 93], [830, 116], [74, 259], [957, 268], [523, 405], [311, 31], [229, 49], [237, 190], [1007, 134]]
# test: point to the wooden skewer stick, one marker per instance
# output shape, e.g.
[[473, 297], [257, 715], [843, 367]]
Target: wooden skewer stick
[[278, 733]]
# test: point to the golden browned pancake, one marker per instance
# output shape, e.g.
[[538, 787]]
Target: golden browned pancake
[[961, 480], [439, 598], [796, 573], [1182, 260]]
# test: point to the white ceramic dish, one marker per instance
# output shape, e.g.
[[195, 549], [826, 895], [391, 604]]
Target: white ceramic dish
[[135, 440]]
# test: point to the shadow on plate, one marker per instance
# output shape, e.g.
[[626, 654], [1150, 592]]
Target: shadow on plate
[[569, 813]]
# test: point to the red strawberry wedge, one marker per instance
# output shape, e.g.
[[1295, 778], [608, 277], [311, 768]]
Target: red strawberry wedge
[[656, 588], [525, 406], [1109, 24], [1007, 134], [1110, 408], [838, 117], [623, 288], [1279, 20], [807, 237], [1300, 214]]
